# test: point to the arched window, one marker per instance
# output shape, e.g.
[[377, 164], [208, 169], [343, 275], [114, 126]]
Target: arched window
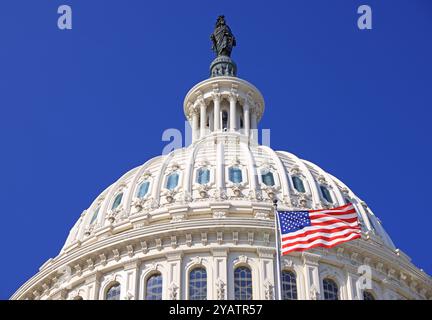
[[203, 175], [95, 215], [267, 178], [242, 283], [113, 293], [198, 284], [330, 290], [289, 286], [143, 189], [78, 298], [117, 201], [224, 120], [235, 175], [154, 287], [298, 184], [347, 201], [367, 295], [326, 194], [172, 181]]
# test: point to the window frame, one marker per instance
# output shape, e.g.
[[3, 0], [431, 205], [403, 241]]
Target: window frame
[[193, 269], [332, 197], [242, 266], [338, 293], [147, 194], [179, 180], [119, 192], [276, 182], [243, 170], [295, 284], [146, 286], [303, 181], [111, 286], [211, 176]]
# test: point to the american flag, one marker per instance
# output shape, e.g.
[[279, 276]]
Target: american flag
[[303, 230]]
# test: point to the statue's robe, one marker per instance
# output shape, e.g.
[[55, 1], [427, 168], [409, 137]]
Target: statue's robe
[[223, 40]]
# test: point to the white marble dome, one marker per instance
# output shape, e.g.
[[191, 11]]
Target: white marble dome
[[204, 213]]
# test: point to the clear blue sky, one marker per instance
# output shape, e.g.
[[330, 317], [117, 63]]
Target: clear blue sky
[[79, 108]]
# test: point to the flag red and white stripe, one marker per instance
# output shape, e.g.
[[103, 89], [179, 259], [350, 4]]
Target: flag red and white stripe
[[317, 228]]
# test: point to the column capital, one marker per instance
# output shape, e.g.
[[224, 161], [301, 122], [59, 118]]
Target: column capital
[[134, 264], [174, 256], [310, 258], [233, 96], [95, 277], [216, 96], [200, 101]]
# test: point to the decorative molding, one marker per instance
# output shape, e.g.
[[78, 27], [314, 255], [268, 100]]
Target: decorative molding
[[188, 239], [251, 238], [90, 263], [173, 291], [144, 247], [235, 236], [158, 242], [219, 214], [103, 259], [174, 242], [219, 237], [116, 254], [204, 238], [268, 290], [130, 251], [220, 289]]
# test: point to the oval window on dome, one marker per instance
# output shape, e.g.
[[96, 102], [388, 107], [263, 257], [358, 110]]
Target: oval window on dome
[[143, 189], [326, 194], [298, 184], [235, 175], [172, 181], [95, 215], [203, 175], [117, 201], [267, 178]]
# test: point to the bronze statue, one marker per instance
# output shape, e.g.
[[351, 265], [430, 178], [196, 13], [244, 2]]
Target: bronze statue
[[222, 38]]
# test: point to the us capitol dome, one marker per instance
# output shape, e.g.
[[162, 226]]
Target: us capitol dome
[[198, 223]]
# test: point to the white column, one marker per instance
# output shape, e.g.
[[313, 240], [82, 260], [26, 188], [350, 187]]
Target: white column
[[246, 118], [203, 118], [194, 126], [220, 275], [233, 118], [174, 276], [253, 120], [311, 273], [220, 166], [268, 274], [93, 286], [131, 270], [216, 109]]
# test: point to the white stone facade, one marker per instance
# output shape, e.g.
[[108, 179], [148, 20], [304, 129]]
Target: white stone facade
[[172, 225]]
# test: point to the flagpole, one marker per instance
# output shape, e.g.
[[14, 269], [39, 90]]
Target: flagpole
[[278, 255]]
